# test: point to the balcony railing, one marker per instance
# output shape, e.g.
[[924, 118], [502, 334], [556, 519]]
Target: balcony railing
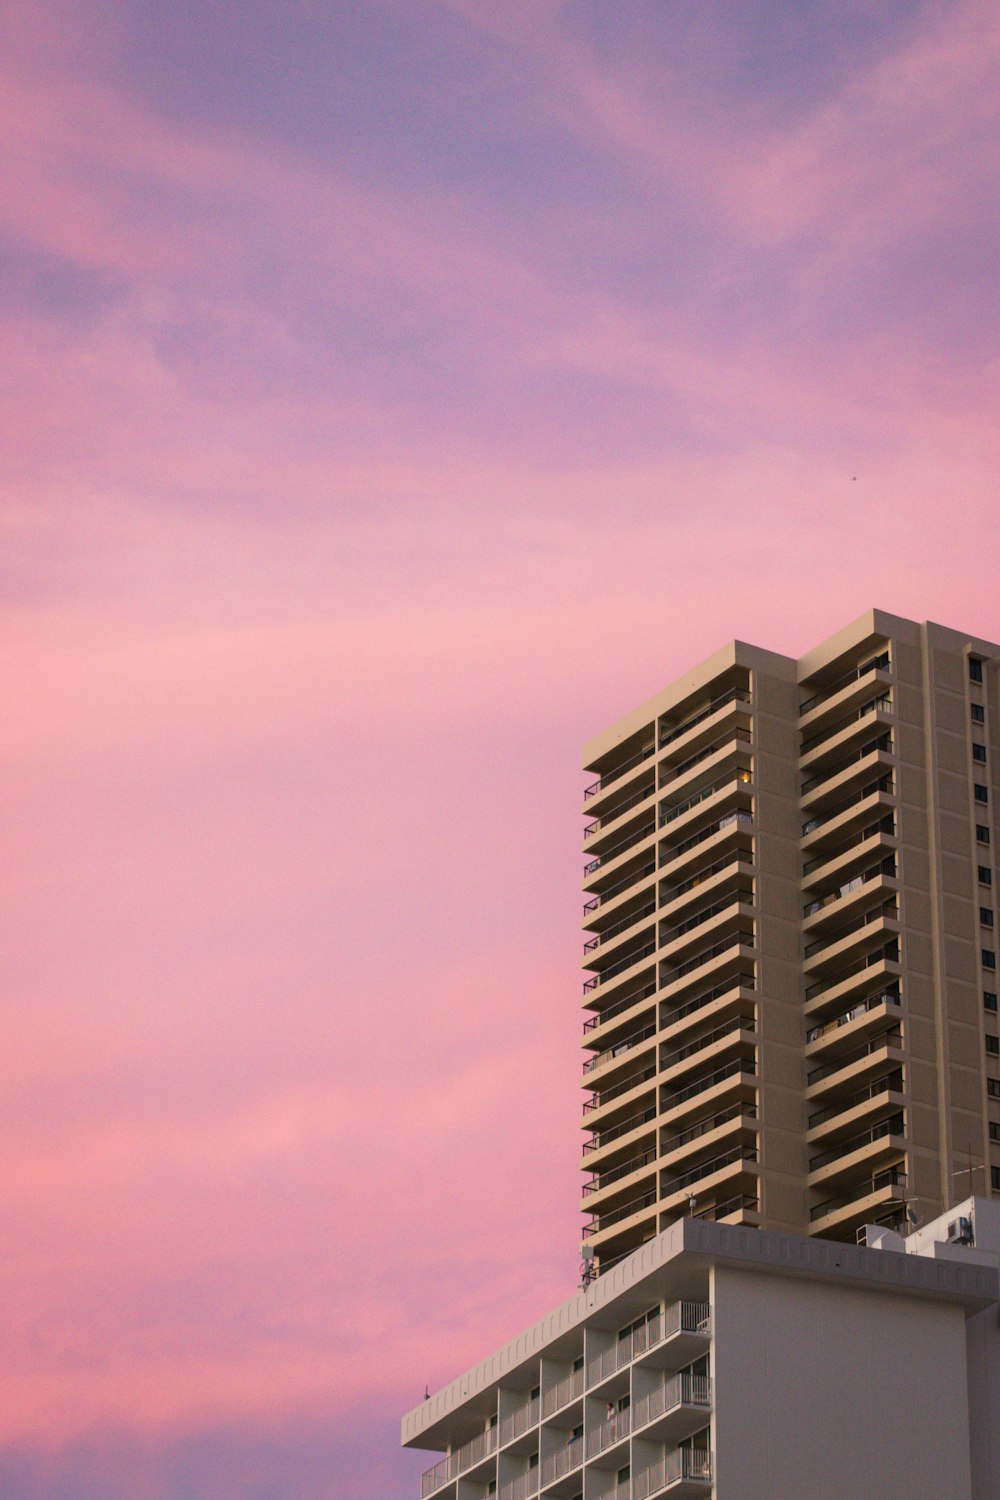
[[619, 770], [682, 1463], [619, 1049], [737, 735], [459, 1462], [563, 1461], [632, 800], [892, 1083], [893, 1126], [517, 1422], [606, 1095], [876, 662], [687, 1317], [731, 1028], [524, 1486], [704, 1127], [725, 945], [873, 706], [740, 1203], [739, 820], [700, 1085], [674, 733], [610, 1431], [891, 1038], [871, 1002], [683, 1389], [885, 866], [726, 862], [616, 1215], [727, 987], [706, 1168], [885, 824], [724, 783], [879, 743], [891, 1177], [619, 848], [602, 1138], [706, 915], [887, 910], [634, 997], [608, 933], [888, 953], [567, 1390], [619, 966], [612, 891]]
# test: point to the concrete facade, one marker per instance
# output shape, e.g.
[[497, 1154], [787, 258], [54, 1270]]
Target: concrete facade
[[739, 1364], [790, 994]]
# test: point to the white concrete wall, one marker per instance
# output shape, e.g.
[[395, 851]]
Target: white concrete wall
[[823, 1393]]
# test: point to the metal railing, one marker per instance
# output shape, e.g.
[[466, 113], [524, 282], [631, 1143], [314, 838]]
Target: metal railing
[[741, 940], [687, 1317], [740, 1203], [887, 910], [611, 1431], [891, 1177], [737, 695], [891, 1038], [706, 1081], [683, 1389], [886, 866], [634, 997], [870, 1002], [896, 1125], [727, 987], [628, 1044], [731, 1028], [606, 1095], [732, 779], [619, 966], [704, 1127], [870, 747], [563, 1461], [741, 820], [635, 878], [517, 1422], [623, 925], [888, 953], [523, 1486], [457, 1463], [725, 862], [734, 898], [602, 1138], [682, 1463], [706, 1168], [613, 853], [616, 1215], [892, 1083], [733, 736], [876, 664], [873, 706], [616, 771], [886, 824], [568, 1389], [613, 813]]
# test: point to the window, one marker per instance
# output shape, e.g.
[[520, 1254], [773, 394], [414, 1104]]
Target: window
[[994, 1131], [979, 792], [993, 1087], [993, 1045], [989, 1001], [975, 669], [982, 834], [985, 875], [995, 1179], [989, 958], [985, 916], [978, 714], [979, 753]]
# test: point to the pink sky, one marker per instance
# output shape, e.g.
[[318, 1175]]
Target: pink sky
[[394, 394]]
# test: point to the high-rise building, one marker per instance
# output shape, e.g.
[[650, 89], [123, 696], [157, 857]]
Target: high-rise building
[[791, 991], [791, 1041]]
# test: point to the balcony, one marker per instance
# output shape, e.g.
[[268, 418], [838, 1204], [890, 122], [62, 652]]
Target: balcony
[[675, 858], [516, 1423], [616, 850], [887, 1133], [616, 810], [831, 947], [563, 1461], [833, 781], [834, 738], [849, 822], [737, 948], [602, 1139], [682, 1474], [672, 938], [738, 1032], [608, 1096], [735, 990], [673, 1326], [613, 892], [743, 1157], [458, 1463], [616, 772], [736, 1117], [670, 734], [604, 1221], [614, 1430], [830, 1029], [830, 698], [732, 781], [737, 1077], [674, 1410], [855, 976], [563, 1393], [620, 965], [523, 1487], [887, 1046], [817, 912], [742, 1208], [619, 1050], [625, 923], [730, 742], [881, 1091], [860, 1201]]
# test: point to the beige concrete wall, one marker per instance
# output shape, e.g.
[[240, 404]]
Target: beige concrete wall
[[823, 1393]]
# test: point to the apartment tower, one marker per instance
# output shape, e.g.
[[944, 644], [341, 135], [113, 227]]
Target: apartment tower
[[790, 949]]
